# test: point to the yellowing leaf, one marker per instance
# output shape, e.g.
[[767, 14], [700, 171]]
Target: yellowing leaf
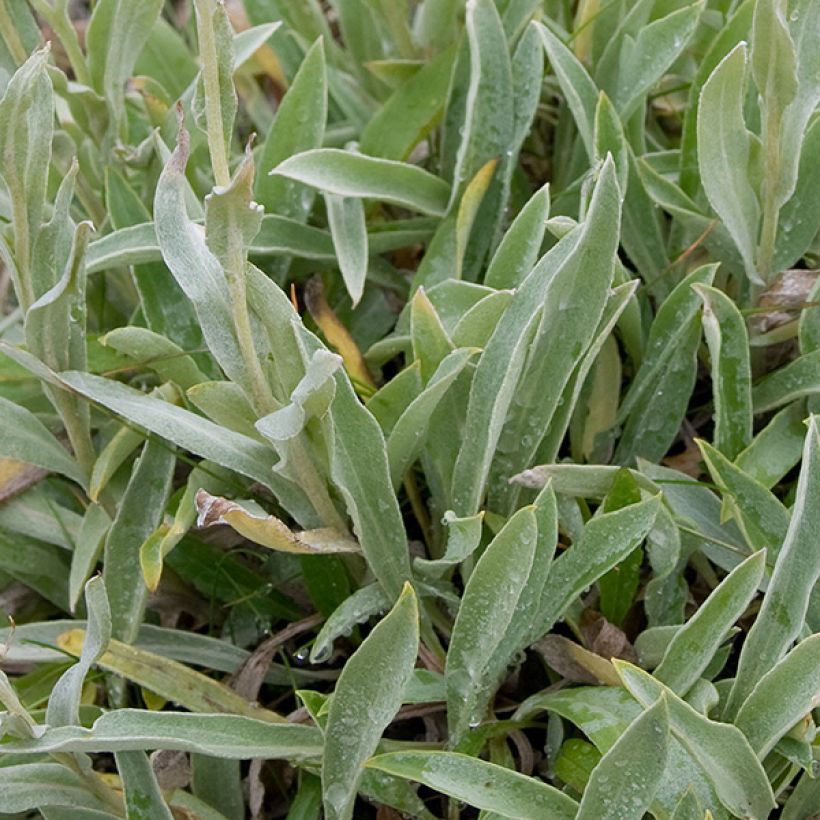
[[168, 679], [268, 530]]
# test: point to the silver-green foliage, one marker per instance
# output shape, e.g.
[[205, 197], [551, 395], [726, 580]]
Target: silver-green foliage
[[516, 301]]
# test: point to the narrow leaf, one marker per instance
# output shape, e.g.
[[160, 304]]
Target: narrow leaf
[[367, 697], [487, 607], [782, 697], [694, 645], [720, 749], [353, 175], [786, 601], [478, 783], [724, 146], [625, 780], [725, 332], [268, 530]]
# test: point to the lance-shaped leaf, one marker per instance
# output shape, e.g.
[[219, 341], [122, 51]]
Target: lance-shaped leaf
[[194, 265], [735, 29], [360, 470], [574, 301], [803, 29], [488, 115], [518, 251], [167, 678], [299, 126], [345, 217], [777, 447], [606, 541], [799, 218], [577, 86], [478, 323], [117, 33], [139, 514], [64, 701], [783, 611], [724, 146], [694, 645], [367, 697], [347, 174], [621, 299], [484, 785], [26, 129], [141, 792], [645, 59], [230, 736], [53, 249], [411, 112], [499, 371], [88, 546], [609, 139], [408, 436], [522, 627], [268, 530], [784, 695], [277, 235], [487, 607], [761, 516], [719, 748], [603, 713], [625, 780], [656, 402], [166, 310], [728, 341], [133, 245], [56, 334], [431, 342], [774, 68]]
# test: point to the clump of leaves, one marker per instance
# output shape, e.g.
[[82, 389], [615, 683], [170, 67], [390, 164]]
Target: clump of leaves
[[414, 400]]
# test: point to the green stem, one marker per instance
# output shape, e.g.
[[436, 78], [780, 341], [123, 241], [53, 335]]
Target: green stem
[[261, 396], [60, 21], [213, 105], [314, 485]]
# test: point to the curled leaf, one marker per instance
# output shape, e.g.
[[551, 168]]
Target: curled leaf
[[268, 530]]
